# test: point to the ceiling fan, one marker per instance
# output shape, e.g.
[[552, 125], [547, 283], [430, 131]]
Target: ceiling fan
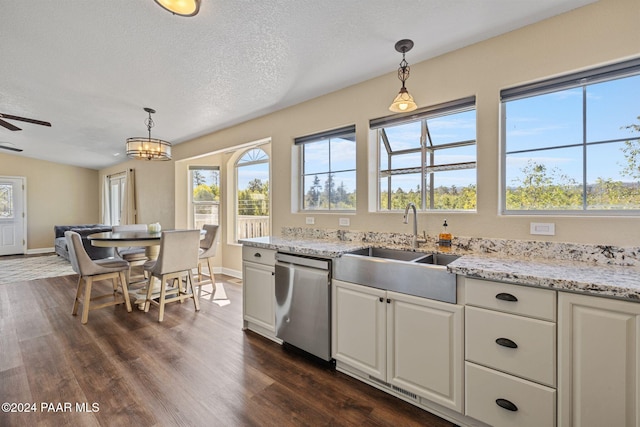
[[10, 126]]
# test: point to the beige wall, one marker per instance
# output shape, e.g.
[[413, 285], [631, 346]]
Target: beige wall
[[597, 34], [56, 195]]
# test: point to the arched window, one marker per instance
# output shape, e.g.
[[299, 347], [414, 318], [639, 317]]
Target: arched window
[[252, 199]]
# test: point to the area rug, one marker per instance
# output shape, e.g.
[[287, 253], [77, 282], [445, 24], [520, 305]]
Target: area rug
[[33, 267]]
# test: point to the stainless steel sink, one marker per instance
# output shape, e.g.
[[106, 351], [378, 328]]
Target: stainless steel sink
[[394, 254], [438, 259], [408, 272]]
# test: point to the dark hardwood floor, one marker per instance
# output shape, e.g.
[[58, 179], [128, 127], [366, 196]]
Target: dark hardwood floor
[[194, 369]]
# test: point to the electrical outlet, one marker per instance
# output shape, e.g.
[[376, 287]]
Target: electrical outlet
[[543, 228], [345, 222], [310, 220]]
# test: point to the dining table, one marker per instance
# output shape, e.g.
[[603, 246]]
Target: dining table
[[119, 239]]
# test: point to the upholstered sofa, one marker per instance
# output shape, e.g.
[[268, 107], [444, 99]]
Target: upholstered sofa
[[94, 252]]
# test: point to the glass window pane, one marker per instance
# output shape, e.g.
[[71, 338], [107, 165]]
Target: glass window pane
[[343, 154], [611, 181], [411, 160], [453, 127], [611, 107], [383, 185], [546, 180], [315, 196], [343, 195], [405, 189], [316, 157], [454, 190], [454, 155], [544, 121], [6, 200], [404, 137]]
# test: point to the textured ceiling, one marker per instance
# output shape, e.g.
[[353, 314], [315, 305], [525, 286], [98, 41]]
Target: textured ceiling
[[89, 67]]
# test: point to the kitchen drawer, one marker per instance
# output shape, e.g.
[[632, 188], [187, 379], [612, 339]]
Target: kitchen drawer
[[259, 255], [522, 300], [535, 404], [534, 358]]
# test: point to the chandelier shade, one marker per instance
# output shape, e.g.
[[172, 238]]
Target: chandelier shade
[[403, 102], [180, 7], [147, 148]]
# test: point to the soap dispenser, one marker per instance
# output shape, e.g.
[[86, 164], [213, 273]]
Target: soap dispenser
[[444, 238]]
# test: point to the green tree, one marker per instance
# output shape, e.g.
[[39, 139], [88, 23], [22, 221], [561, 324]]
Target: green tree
[[543, 189], [631, 152]]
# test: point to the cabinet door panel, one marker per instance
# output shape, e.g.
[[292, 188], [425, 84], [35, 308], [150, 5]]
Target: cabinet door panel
[[534, 354], [425, 348], [359, 337], [258, 295], [598, 361]]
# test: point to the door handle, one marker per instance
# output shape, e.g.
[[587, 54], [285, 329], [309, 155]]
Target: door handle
[[506, 297], [506, 342], [505, 404]]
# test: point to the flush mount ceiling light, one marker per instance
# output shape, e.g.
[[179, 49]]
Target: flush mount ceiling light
[[142, 148], [180, 7], [404, 101]]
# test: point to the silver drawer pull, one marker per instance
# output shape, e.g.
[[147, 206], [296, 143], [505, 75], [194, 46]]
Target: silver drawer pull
[[506, 342], [506, 297], [505, 404]]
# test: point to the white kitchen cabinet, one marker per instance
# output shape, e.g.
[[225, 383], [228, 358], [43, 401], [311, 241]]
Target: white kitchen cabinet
[[510, 353], [411, 343], [598, 361], [258, 290], [359, 318]]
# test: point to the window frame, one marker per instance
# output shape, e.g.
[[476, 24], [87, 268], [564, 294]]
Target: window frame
[[193, 203], [344, 133], [581, 80], [426, 149], [237, 164]]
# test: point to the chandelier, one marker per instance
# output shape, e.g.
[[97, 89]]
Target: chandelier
[[148, 148], [180, 7], [404, 101]]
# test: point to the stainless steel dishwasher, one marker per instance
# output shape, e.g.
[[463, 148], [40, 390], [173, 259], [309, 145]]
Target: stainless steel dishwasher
[[303, 303]]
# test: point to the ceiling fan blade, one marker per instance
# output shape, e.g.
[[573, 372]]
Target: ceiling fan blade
[[6, 147], [8, 125], [24, 119]]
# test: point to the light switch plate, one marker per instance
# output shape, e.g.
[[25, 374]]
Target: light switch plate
[[310, 220], [543, 228], [345, 222]]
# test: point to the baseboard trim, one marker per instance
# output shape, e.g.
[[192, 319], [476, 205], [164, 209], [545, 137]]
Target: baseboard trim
[[40, 251], [229, 272]]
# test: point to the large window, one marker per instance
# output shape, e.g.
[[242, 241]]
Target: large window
[[428, 158], [252, 184], [572, 144], [328, 172], [116, 196], [205, 195]]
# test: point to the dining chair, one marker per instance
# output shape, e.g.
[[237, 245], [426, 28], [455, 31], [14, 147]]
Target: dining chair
[[177, 258], [91, 271], [134, 255], [208, 248]]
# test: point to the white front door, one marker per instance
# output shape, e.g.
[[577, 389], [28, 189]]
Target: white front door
[[12, 216]]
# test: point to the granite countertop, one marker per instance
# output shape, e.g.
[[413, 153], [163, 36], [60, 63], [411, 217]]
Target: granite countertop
[[602, 280], [617, 281], [314, 247]]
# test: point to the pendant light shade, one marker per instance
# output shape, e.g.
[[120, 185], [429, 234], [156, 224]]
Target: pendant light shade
[[404, 101], [180, 7], [147, 148]]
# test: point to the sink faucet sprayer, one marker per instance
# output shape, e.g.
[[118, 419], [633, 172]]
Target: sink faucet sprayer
[[414, 242]]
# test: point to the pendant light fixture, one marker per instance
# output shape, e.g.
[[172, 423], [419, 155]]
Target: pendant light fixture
[[142, 148], [180, 7], [404, 101]]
